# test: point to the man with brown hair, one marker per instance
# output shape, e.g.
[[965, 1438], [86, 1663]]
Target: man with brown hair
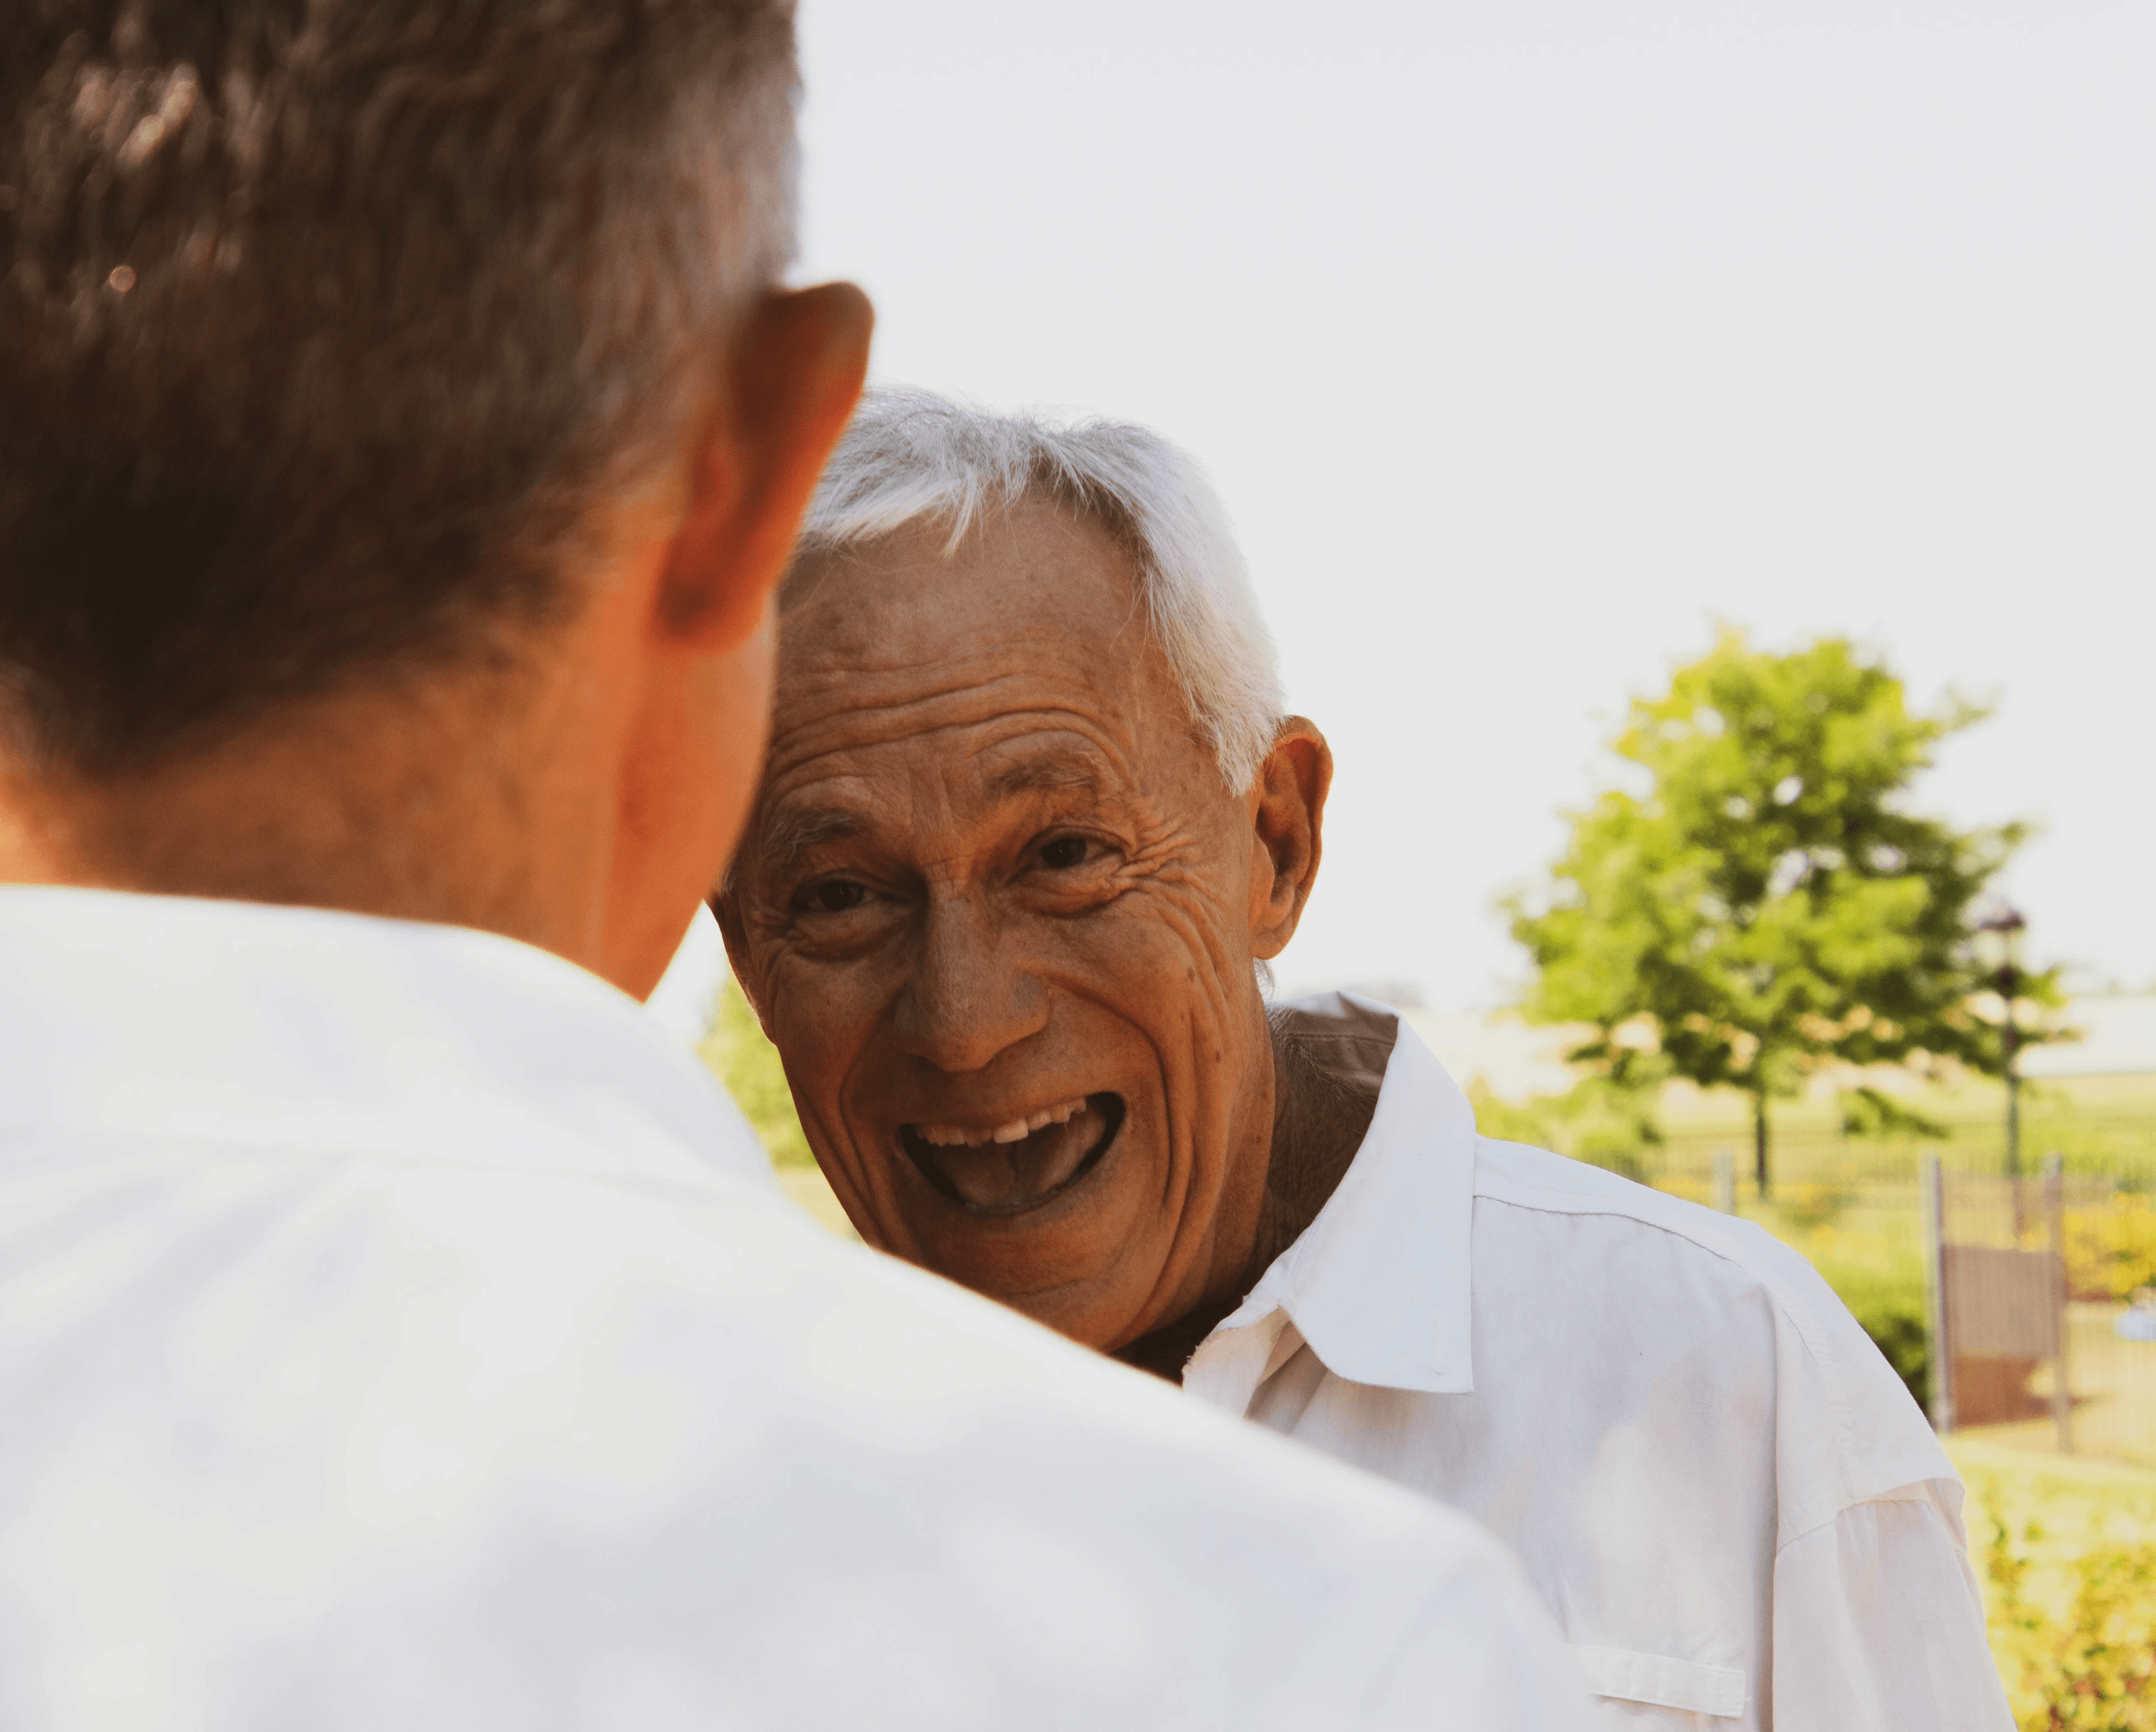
[[404, 433]]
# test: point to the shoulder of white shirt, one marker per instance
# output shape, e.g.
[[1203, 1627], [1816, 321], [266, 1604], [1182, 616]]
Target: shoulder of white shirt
[[1883, 1446], [494, 1042], [1530, 1178]]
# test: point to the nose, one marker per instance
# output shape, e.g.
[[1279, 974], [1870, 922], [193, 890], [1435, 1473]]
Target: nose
[[968, 997]]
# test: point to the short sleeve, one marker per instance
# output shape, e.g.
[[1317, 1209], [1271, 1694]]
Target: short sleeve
[[1879, 1623]]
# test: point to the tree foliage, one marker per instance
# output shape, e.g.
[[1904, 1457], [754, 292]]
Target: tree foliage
[[1597, 1120], [1765, 904], [742, 1059]]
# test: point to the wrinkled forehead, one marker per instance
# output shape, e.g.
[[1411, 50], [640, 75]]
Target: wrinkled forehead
[[1036, 609], [1019, 564], [1019, 661]]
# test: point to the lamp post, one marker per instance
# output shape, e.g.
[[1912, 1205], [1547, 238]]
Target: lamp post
[[1999, 948]]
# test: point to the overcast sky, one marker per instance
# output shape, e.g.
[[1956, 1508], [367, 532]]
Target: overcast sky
[[1525, 340]]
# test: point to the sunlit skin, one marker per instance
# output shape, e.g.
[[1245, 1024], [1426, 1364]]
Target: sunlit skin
[[996, 882], [582, 792]]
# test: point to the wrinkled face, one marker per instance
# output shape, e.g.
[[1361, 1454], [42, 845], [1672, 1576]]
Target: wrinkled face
[[997, 908]]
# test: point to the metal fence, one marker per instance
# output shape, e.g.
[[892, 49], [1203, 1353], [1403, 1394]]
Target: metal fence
[[2117, 1146], [1996, 1274], [2030, 1345]]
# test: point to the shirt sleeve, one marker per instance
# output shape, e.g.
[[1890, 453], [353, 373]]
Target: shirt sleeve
[[1485, 1657], [1879, 1623]]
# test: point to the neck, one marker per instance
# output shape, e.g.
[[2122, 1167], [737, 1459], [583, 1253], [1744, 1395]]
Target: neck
[[1319, 1121], [416, 802]]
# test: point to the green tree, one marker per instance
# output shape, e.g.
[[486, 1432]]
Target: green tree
[[1765, 904]]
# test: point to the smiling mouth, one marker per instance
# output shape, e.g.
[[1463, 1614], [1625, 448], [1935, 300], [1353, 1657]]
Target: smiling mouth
[[1020, 1165]]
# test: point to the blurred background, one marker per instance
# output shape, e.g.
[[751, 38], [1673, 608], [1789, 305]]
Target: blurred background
[[1528, 338], [1534, 343]]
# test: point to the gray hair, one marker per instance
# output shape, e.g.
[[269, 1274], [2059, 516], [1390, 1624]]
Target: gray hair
[[911, 457]]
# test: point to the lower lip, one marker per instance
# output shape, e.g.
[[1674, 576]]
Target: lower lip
[[1109, 1106]]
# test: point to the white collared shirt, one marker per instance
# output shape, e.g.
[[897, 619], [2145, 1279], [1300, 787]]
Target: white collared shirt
[[396, 1332], [1717, 1483]]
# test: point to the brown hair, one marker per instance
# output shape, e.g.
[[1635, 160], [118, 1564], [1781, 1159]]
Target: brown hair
[[322, 323]]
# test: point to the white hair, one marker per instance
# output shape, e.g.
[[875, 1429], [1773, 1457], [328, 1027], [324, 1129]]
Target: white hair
[[911, 457]]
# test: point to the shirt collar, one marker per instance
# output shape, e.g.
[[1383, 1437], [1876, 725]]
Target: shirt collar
[[235, 1024], [1379, 1285]]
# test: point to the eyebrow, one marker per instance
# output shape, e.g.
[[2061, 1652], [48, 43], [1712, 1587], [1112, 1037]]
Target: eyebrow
[[1035, 775], [793, 834]]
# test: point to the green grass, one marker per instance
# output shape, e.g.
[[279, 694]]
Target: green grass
[[2101, 1124]]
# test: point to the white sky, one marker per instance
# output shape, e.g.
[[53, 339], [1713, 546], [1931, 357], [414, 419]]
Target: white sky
[[1525, 339]]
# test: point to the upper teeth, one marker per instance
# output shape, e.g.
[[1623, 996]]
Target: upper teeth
[[943, 1136]]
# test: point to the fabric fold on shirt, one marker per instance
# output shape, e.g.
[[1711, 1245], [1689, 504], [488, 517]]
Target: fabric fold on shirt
[[1721, 1491]]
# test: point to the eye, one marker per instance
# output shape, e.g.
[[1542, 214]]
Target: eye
[[1063, 853], [834, 896]]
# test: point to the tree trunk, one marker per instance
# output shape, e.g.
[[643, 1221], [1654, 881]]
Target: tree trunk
[[1759, 1141]]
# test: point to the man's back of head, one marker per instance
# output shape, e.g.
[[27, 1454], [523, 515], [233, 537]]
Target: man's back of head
[[348, 348], [315, 345]]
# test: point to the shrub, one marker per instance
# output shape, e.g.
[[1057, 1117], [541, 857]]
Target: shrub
[[1883, 1285], [1599, 1120], [1812, 1205], [2090, 1666], [2112, 1251]]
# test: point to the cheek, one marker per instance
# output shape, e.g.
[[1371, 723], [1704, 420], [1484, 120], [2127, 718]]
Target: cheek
[[1179, 973], [816, 1021], [1166, 967], [1172, 960], [824, 1021]]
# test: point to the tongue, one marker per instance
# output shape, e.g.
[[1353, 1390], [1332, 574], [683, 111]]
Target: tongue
[[1013, 1175]]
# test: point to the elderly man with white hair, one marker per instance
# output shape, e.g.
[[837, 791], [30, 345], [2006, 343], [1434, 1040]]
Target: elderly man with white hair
[[1032, 811]]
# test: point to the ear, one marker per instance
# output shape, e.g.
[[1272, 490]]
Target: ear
[[1288, 821], [791, 380]]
